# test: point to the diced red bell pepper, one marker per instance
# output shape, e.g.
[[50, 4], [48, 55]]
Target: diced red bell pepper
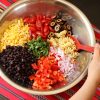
[[55, 67], [32, 77], [34, 66]]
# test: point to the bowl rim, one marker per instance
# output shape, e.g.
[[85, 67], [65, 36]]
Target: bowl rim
[[90, 30]]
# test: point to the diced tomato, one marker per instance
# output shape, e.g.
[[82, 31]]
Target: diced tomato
[[30, 19], [43, 21], [44, 17], [43, 36], [38, 33], [34, 35], [46, 23], [33, 29], [46, 28], [51, 29], [52, 17], [39, 17], [48, 18], [46, 33], [26, 20], [38, 24], [32, 25], [33, 19]]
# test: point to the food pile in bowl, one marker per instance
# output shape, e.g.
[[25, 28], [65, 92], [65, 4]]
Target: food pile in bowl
[[36, 51]]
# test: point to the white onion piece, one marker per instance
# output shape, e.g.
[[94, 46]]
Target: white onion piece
[[64, 62]]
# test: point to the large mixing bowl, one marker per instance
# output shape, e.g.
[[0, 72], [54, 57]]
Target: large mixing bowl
[[81, 28]]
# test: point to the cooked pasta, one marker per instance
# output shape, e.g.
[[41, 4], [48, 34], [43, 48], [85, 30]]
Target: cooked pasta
[[65, 43]]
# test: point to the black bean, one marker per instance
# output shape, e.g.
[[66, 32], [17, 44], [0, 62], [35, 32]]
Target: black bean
[[16, 62]]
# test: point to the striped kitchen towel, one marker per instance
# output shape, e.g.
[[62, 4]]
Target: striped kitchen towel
[[7, 92]]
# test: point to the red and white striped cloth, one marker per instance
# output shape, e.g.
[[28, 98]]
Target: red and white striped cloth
[[7, 92]]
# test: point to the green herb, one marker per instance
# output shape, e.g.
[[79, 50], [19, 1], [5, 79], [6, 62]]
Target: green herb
[[39, 47]]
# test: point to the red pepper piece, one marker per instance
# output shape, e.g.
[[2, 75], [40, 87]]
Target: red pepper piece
[[47, 75], [55, 68], [31, 77], [34, 66]]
